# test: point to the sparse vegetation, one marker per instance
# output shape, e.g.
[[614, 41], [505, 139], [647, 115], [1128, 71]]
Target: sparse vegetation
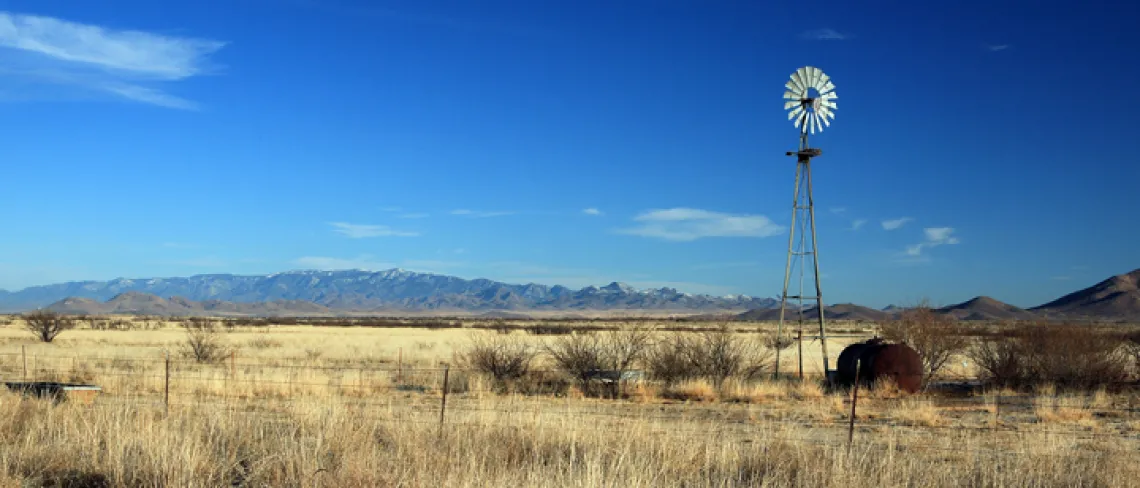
[[502, 357], [934, 336], [1068, 356], [204, 341], [46, 326]]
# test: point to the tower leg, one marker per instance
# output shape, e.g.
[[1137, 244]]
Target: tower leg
[[815, 262], [788, 268]]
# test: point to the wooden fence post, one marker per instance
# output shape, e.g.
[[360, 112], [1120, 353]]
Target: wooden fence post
[[854, 401], [800, 354], [166, 386], [443, 399]]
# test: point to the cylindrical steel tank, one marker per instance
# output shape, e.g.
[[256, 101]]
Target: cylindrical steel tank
[[880, 360]]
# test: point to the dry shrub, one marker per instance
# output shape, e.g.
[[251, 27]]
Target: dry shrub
[[46, 326], [204, 342], [669, 360], [734, 390], [502, 357], [1068, 356], [935, 337], [1052, 408], [586, 357]]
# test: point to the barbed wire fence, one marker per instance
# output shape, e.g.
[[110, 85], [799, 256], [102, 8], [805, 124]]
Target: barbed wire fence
[[400, 393]]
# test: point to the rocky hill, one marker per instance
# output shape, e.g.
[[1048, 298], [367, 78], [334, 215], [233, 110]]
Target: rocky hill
[[1116, 298], [986, 308], [364, 291]]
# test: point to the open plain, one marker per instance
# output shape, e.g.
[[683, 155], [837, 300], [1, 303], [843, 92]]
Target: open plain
[[302, 405]]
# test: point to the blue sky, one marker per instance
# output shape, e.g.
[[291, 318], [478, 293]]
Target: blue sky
[[977, 149]]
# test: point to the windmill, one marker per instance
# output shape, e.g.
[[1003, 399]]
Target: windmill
[[810, 101]]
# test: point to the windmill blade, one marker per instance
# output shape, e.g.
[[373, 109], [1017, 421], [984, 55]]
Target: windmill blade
[[791, 87], [827, 104], [798, 110], [829, 96], [826, 123], [801, 80], [823, 79], [815, 74], [800, 120], [790, 95], [791, 103], [815, 123], [827, 87]]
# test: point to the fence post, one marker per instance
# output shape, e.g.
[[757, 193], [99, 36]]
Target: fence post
[[24, 353], [800, 354], [166, 386], [854, 401], [443, 399]]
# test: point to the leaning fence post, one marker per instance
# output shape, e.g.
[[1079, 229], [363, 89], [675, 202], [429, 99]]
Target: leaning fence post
[[800, 353], [854, 401], [166, 386], [443, 399]]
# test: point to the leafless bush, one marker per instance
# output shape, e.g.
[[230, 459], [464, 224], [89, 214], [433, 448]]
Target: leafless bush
[[503, 358], [586, 356], [720, 354], [1069, 356], [204, 341], [670, 360], [46, 326], [935, 337], [771, 341]]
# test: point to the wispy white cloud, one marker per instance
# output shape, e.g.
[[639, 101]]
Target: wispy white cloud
[[358, 231], [363, 261], [895, 223], [824, 34], [856, 224], [125, 63], [935, 236], [391, 209], [837, 211], [688, 224], [478, 214], [591, 211], [413, 215], [997, 47]]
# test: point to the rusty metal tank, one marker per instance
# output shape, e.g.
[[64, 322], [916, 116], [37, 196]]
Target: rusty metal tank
[[880, 360]]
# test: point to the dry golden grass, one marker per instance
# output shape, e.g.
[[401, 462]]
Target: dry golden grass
[[302, 406]]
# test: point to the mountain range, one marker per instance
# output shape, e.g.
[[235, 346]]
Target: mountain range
[[396, 290], [361, 291]]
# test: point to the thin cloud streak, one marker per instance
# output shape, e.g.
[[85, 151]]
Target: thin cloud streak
[[824, 34], [360, 231], [122, 63], [689, 224], [895, 223], [479, 214]]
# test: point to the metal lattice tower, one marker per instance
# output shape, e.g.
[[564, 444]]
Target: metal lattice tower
[[810, 100]]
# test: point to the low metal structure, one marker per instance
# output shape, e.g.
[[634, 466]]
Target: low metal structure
[[59, 392]]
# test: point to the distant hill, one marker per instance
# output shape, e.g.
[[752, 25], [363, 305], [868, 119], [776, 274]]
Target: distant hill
[[986, 308], [367, 291], [843, 311], [1115, 298], [135, 303]]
